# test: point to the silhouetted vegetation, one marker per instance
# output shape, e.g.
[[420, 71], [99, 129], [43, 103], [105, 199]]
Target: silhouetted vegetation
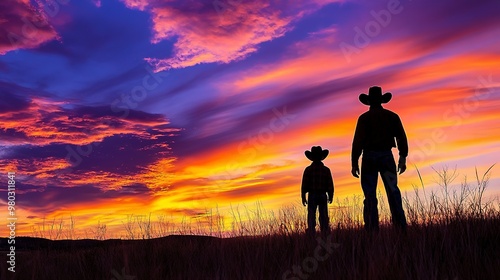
[[453, 233]]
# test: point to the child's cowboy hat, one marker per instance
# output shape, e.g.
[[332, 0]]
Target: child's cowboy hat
[[375, 96], [316, 153]]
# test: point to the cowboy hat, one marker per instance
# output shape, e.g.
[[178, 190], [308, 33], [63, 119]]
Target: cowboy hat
[[316, 153], [375, 96]]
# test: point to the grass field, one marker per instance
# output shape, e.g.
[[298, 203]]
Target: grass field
[[454, 233]]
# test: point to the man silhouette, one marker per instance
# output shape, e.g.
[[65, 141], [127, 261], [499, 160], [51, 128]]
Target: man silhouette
[[379, 130], [318, 182]]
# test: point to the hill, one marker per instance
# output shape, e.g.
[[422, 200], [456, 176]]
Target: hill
[[462, 249]]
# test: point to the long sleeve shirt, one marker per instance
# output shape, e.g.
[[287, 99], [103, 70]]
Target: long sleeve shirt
[[378, 130], [317, 178]]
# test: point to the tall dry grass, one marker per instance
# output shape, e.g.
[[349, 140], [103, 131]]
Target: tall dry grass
[[454, 233]]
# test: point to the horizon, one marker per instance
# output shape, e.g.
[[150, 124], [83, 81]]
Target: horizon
[[134, 107]]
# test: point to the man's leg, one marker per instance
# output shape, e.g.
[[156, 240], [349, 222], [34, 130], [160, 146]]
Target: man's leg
[[323, 214], [390, 179], [312, 204], [369, 178]]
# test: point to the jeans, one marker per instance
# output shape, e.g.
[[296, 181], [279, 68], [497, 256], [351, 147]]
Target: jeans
[[380, 162], [317, 200]]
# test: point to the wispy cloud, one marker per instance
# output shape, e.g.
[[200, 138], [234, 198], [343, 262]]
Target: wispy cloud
[[40, 122], [24, 26], [49, 142], [205, 34]]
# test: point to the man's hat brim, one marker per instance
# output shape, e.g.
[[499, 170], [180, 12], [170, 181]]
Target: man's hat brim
[[316, 156], [365, 98]]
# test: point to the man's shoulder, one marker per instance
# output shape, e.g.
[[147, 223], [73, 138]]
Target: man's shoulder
[[366, 116], [368, 113], [363, 117], [390, 113]]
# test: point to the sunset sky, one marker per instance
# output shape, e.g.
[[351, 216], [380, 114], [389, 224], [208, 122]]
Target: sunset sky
[[110, 108]]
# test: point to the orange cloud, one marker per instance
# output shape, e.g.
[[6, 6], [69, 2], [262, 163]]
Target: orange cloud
[[423, 88], [218, 33], [45, 122]]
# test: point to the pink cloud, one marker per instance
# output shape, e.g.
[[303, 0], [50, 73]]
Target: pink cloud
[[23, 26], [44, 122], [219, 32], [97, 3], [136, 4]]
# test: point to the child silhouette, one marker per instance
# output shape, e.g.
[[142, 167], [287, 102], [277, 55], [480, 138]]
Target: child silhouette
[[317, 181]]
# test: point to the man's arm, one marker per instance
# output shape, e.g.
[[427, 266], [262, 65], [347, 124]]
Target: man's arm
[[357, 147], [402, 142], [330, 186], [304, 187]]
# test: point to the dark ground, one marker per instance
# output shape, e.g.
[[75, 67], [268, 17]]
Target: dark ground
[[462, 249]]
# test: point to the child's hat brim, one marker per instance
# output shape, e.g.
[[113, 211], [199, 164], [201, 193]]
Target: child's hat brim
[[316, 153]]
